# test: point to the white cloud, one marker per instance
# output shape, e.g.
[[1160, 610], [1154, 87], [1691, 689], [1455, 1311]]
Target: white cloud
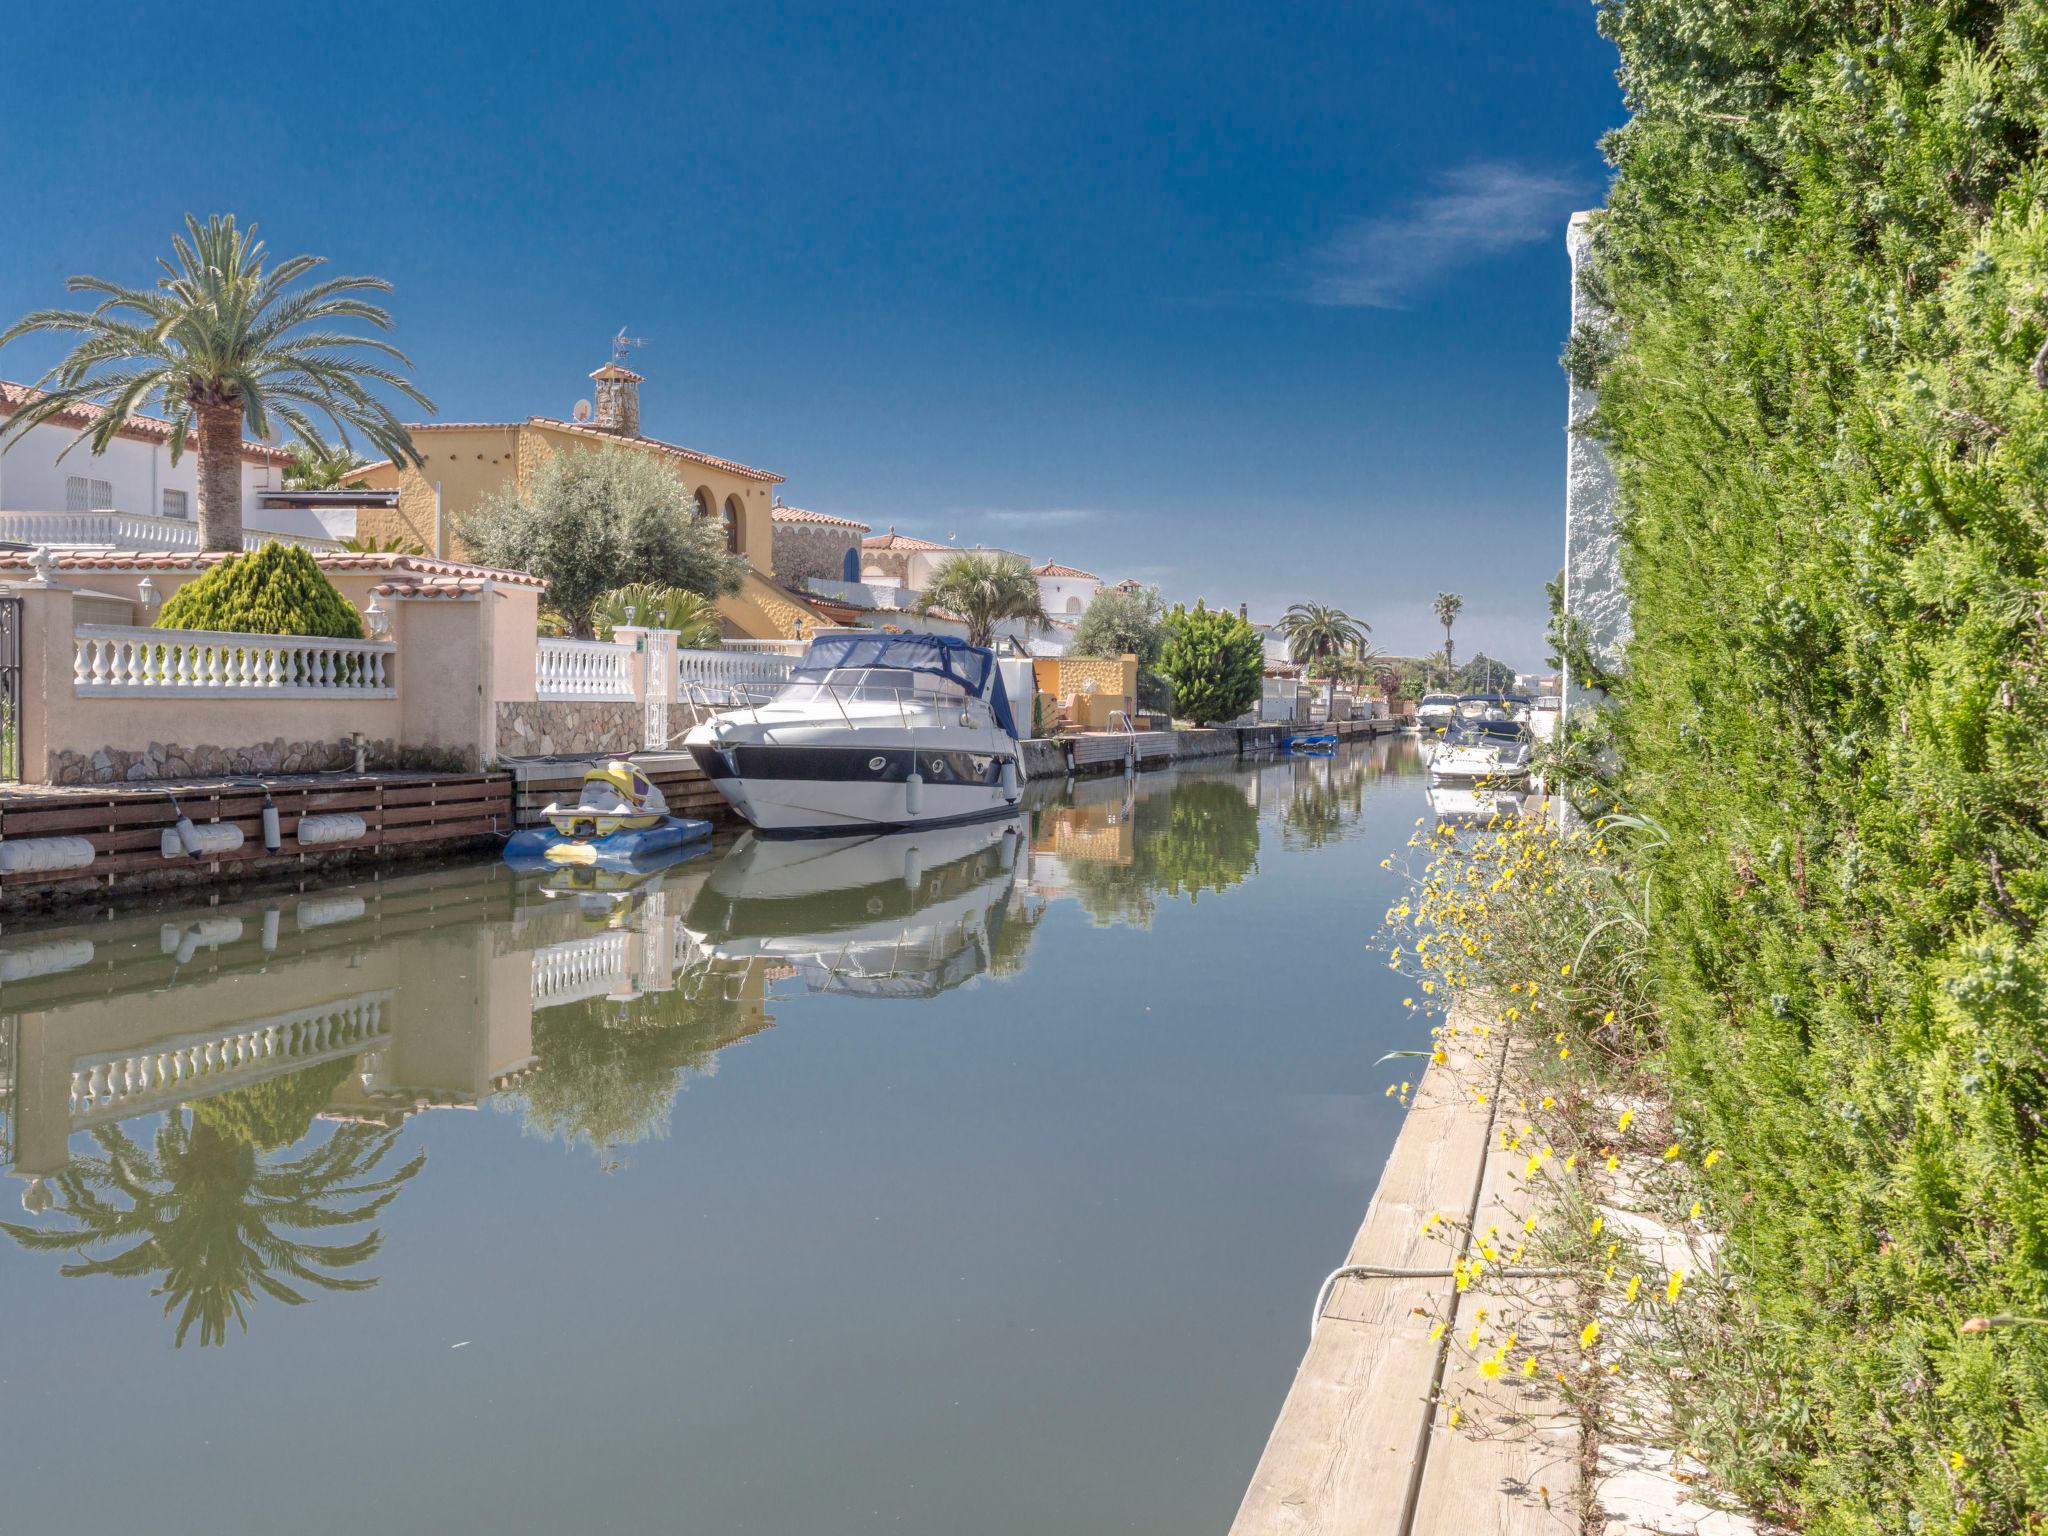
[[1474, 212], [1033, 517]]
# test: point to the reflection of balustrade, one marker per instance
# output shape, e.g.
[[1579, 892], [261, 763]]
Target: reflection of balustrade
[[124, 1083], [579, 969]]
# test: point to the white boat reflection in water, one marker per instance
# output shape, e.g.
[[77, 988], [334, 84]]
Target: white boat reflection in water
[[1465, 805], [902, 914]]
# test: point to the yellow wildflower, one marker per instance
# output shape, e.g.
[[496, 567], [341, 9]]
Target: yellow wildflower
[[1671, 1152], [1529, 1366], [1674, 1285], [1635, 1286], [1436, 1332], [1711, 1158], [1588, 1334], [1490, 1368], [1456, 1415]]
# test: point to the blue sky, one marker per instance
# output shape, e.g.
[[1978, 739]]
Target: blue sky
[[1258, 302]]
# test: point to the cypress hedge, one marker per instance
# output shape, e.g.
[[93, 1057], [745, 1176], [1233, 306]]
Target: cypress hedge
[[1827, 400], [279, 590]]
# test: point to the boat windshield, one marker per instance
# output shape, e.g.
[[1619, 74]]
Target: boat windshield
[[889, 684], [1486, 733]]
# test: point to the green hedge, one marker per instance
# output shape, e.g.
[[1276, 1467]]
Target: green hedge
[[1827, 252]]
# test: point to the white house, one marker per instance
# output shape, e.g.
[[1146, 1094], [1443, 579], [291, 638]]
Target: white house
[[1065, 591], [131, 496]]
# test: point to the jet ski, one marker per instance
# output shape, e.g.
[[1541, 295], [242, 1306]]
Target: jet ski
[[620, 821]]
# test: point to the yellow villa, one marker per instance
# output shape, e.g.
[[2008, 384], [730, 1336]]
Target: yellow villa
[[465, 461]]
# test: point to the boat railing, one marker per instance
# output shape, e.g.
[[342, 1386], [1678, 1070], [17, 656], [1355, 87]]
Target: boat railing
[[916, 709]]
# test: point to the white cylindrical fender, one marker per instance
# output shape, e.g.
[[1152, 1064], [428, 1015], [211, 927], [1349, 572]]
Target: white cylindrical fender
[[270, 920], [272, 838], [1006, 854], [913, 867], [42, 855], [913, 793], [315, 831], [1009, 778], [212, 837]]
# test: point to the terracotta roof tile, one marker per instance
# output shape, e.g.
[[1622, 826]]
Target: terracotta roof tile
[[149, 429], [555, 424], [894, 540], [400, 566], [804, 515], [1052, 568]]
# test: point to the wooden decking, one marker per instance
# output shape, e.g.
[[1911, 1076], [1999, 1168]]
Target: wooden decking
[[1362, 1445]]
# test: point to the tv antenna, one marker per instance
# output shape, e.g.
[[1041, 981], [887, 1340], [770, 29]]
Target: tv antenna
[[622, 343]]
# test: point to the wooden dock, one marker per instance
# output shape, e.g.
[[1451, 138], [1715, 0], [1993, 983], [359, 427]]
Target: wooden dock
[[1362, 1445]]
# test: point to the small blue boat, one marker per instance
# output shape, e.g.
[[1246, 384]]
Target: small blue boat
[[1310, 745], [620, 822]]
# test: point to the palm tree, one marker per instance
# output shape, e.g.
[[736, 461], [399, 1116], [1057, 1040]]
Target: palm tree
[[983, 590], [216, 1221], [1318, 632], [218, 343], [1446, 607]]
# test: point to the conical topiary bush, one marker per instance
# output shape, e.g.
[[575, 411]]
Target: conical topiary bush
[[278, 590]]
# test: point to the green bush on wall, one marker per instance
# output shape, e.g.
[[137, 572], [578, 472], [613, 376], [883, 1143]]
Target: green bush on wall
[[1827, 256], [278, 590]]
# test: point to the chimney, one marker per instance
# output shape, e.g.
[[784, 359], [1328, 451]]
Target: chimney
[[1244, 611], [618, 401]]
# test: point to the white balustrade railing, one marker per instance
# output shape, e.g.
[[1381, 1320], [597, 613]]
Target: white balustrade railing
[[594, 670], [119, 661], [119, 1084], [109, 529], [768, 647], [733, 665]]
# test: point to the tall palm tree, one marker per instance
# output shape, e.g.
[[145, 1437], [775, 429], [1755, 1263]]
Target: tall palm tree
[[218, 343], [216, 1221], [1318, 632], [985, 589], [1447, 607]]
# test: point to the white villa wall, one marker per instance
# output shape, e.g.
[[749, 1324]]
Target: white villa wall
[[32, 478], [1067, 595], [1593, 591]]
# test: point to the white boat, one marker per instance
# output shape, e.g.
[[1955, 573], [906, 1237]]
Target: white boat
[[1435, 711], [1494, 753], [872, 731]]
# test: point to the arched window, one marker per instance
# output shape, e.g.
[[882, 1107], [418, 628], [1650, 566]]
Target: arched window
[[735, 525], [700, 502], [1073, 605]]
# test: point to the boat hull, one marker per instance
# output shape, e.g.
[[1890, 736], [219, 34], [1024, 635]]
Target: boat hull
[[636, 849], [829, 790]]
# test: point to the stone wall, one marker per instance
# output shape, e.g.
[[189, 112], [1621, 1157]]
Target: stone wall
[[170, 760], [813, 549], [548, 727], [1593, 591]]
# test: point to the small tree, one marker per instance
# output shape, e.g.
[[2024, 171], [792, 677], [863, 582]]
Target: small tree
[[1121, 623], [591, 521], [985, 589], [1215, 661], [279, 590], [1447, 607]]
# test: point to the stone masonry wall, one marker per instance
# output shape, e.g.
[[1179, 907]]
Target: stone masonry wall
[[170, 760], [812, 549], [549, 727]]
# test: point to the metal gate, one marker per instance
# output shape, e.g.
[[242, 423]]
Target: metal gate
[[10, 689]]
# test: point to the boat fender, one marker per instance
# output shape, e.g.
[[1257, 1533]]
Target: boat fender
[[272, 839], [270, 919], [41, 855], [1006, 855], [45, 959], [213, 837], [913, 867], [315, 831], [913, 793], [1009, 778]]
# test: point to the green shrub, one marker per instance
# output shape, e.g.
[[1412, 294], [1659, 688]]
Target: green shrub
[[1828, 261], [1214, 661], [278, 590], [278, 1111]]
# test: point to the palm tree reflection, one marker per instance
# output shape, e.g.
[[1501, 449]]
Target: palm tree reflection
[[215, 1220]]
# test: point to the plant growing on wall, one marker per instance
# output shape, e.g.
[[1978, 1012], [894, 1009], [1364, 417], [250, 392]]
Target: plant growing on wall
[[983, 590], [279, 590], [592, 521], [1215, 661], [225, 346]]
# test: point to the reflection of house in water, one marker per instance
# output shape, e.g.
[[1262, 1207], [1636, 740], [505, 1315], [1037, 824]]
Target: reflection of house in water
[[1094, 824], [429, 984]]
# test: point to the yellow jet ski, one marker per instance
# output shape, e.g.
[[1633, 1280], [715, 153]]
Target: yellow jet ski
[[619, 820]]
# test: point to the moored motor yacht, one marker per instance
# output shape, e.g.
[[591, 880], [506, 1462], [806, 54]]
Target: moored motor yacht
[[1493, 752], [871, 731]]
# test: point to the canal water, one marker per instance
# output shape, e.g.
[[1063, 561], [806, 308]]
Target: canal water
[[976, 1181]]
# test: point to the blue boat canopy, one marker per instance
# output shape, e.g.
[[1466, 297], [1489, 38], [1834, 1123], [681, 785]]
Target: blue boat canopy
[[972, 667]]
